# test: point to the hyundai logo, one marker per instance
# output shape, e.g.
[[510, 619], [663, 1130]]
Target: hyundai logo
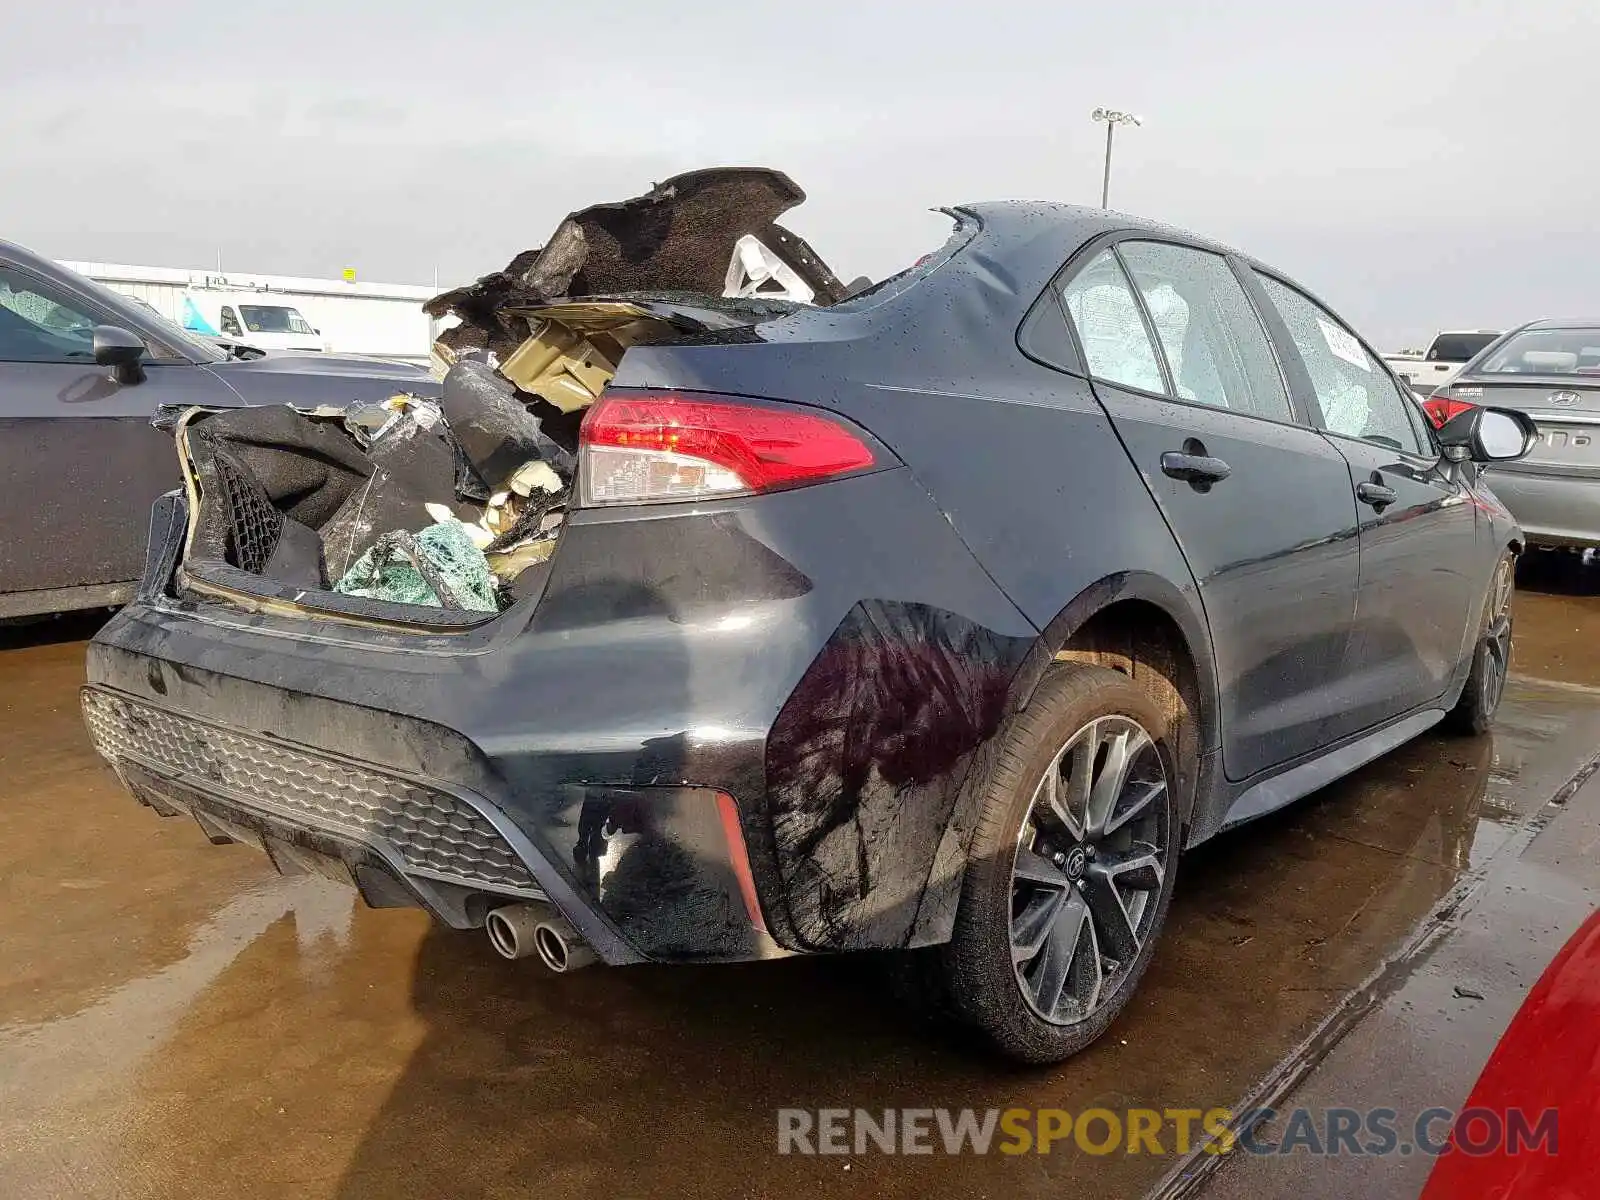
[[1564, 399]]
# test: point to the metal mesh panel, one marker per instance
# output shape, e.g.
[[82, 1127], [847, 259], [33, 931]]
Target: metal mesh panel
[[254, 525], [432, 831]]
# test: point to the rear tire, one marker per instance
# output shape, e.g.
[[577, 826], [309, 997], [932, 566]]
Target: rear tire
[[1491, 657], [1071, 869]]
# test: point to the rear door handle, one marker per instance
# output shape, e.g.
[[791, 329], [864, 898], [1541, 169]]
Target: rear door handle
[[1194, 468], [1375, 494]]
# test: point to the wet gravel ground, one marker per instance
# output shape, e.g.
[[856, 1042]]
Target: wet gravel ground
[[176, 1020]]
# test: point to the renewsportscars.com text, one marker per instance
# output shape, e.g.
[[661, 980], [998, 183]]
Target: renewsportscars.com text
[[1100, 1131]]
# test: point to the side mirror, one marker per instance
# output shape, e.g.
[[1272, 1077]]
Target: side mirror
[[120, 349], [1488, 435]]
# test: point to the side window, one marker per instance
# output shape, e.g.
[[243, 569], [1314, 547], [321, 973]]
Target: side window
[[1354, 392], [1216, 348], [1116, 347], [38, 324], [230, 323]]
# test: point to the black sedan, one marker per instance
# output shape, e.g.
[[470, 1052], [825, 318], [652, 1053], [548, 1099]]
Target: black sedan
[[82, 370], [941, 617]]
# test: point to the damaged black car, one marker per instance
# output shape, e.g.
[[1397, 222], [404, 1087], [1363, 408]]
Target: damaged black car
[[718, 610]]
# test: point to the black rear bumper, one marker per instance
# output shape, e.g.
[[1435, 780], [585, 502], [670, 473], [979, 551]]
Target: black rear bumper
[[700, 742], [410, 837], [444, 844]]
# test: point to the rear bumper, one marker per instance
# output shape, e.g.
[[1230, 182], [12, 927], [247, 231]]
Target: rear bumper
[[1553, 510], [401, 837], [686, 743]]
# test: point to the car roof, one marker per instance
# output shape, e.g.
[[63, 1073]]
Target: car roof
[[26, 258], [1021, 245], [1014, 222], [1078, 223], [1562, 323]]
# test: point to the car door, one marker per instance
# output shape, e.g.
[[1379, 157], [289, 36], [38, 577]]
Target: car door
[[79, 463], [1259, 502], [1419, 566]]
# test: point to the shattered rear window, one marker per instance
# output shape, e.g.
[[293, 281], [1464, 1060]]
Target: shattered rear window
[[966, 228]]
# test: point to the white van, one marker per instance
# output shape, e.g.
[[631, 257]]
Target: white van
[[258, 319]]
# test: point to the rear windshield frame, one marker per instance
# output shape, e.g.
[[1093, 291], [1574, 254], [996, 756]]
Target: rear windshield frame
[[887, 289]]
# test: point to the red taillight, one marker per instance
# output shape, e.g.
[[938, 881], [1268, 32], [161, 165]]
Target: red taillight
[[636, 447], [1440, 408]]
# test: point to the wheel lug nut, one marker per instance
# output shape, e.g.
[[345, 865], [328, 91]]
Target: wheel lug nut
[[1059, 858]]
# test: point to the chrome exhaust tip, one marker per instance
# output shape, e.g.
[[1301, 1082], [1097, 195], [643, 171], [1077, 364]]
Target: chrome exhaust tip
[[560, 946], [511, 929], [526, 930]]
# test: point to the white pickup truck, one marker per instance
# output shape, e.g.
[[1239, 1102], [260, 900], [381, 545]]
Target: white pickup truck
[[1442, 361]]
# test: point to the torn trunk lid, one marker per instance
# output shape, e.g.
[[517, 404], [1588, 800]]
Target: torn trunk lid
[[704, 234]]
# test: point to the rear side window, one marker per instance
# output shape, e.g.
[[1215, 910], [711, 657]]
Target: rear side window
[[1357, 397], [1216, 349], [1116, 346]]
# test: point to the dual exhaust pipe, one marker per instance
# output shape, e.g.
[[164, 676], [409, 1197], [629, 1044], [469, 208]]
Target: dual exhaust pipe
[[526, 930]]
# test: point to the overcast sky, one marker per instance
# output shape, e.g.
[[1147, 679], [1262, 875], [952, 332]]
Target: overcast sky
[[1424, 164]]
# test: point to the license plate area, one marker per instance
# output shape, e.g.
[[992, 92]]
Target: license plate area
[[1566, 445]]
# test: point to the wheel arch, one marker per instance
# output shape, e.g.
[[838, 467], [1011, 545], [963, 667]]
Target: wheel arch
[[1134, 622], [1141, 625]]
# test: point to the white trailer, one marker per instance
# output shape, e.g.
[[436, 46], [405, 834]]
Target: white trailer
[[381, 320]]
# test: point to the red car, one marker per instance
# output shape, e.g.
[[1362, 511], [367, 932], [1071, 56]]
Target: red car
[[1549, 1059]]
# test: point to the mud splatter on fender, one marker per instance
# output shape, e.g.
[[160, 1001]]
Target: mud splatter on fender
[[866, 760]]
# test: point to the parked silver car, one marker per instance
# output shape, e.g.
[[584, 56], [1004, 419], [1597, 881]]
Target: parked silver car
[[1551, 371]]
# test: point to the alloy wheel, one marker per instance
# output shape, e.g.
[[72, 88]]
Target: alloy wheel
[[1091, 858]]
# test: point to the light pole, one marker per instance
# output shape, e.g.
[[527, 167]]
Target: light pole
[[1112, 118]]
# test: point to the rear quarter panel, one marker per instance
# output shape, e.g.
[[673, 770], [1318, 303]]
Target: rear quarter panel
[[1026, 468], [1019, 456]]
